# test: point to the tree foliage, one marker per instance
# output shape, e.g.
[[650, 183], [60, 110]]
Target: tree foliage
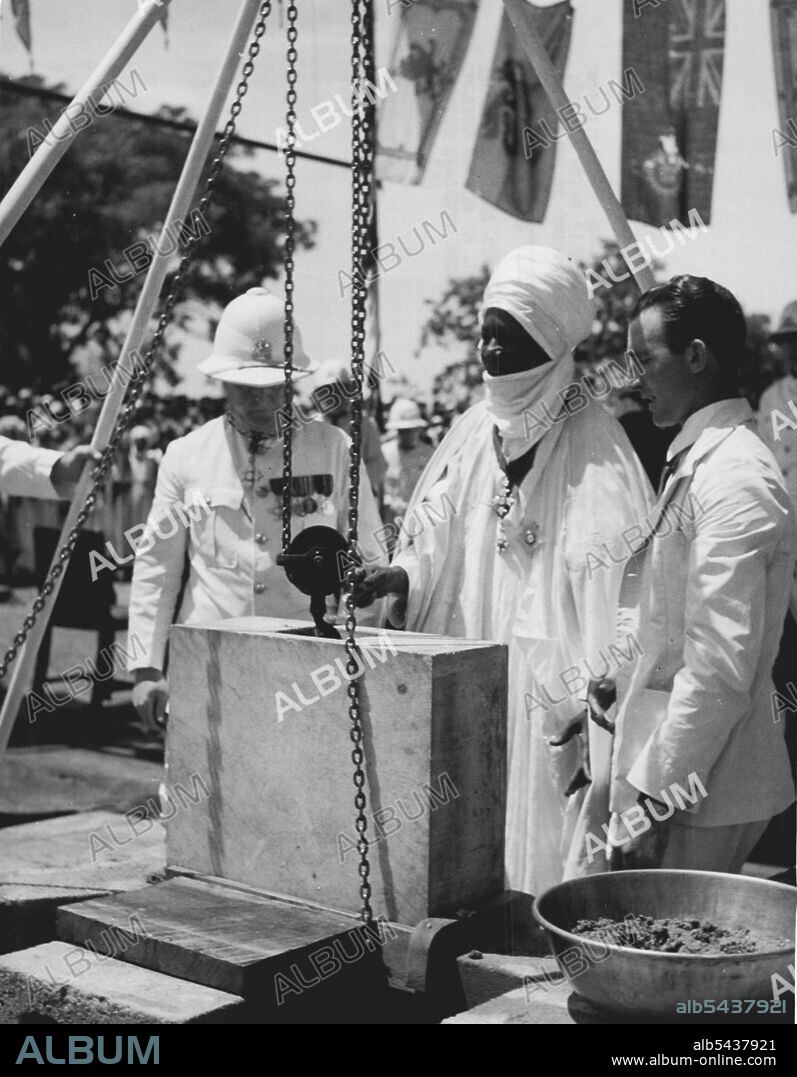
[[454, 317], [111, 189]]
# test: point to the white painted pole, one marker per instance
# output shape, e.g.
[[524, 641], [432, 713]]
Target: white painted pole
[[534, 48], [112, 405], [60, 138]]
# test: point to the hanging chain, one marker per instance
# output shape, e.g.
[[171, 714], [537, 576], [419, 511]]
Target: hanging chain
[[289, 250], [122, 423], [362, 168]]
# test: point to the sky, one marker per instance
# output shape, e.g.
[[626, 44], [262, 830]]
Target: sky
[[750, 245]]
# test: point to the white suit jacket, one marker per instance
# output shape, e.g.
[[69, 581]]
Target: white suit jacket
[[232, 549], [710, 591], [25, 470]]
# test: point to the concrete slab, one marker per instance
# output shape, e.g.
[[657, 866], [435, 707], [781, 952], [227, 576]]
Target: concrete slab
[[514, 1008], [52, 780], [487, 976], [242, 943], [259, 716], [55, 861], [68, 985]]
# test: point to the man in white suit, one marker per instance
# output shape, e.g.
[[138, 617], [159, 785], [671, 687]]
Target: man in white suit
[[226, 476], [710, 594]]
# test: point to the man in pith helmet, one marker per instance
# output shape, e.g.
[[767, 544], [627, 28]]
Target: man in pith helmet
[[406, 454], [333, 394], [228, 475]]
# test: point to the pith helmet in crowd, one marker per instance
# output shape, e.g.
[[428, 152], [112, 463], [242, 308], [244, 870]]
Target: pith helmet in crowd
[[333, 370], [405, 415], [788, 323], [248, 348]]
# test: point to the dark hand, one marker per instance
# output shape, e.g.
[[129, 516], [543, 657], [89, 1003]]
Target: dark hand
[[645, 848], [372, 583], [68, 468], [601, 697], [576, 728]]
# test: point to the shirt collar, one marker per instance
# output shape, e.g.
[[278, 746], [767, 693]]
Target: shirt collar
[[722, 415]]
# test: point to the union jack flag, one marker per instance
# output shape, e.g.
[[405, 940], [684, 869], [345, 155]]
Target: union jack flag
[[697, 48]]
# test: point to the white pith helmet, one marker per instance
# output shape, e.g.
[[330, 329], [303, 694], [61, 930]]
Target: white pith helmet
[[331, 371], [248, 348], [788, 323], [405, 415]]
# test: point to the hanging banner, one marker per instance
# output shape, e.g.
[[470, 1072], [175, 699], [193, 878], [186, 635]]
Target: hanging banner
[[670, 131], [784, 43], [428, 51], [20, 9], [515, 152]]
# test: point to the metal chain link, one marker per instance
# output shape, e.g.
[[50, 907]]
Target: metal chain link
[[122, 423], [288, 255], [362, 169]]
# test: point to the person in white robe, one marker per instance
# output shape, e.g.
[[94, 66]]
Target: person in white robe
[[514, 557]]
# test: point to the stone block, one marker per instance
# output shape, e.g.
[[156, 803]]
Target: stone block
[[65, 984], [268, 951], [53, 862], [489, 975], [260, 734]]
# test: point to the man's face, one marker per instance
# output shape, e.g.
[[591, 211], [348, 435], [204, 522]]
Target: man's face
[[254, 408], [334, 400], [506, 348], [666, 385], [408, 439]]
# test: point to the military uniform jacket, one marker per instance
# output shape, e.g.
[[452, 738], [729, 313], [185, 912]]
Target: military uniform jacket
[[211, 509]]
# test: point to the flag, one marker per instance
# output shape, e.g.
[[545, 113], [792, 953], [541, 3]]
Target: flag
[[784, 43], [515, 152], [677, 51], [20, 9], [430, 44]]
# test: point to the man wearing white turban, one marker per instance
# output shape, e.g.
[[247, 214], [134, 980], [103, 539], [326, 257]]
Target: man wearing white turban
[[541, 476]]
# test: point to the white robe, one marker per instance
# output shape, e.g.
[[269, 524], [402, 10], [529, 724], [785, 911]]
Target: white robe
[[545, 601]]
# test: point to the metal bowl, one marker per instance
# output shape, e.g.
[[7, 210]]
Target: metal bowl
[[648, 984]]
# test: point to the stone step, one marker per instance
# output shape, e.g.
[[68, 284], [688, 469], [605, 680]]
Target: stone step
[[73, 857], [249, 945], [486, 976], [69, 985]]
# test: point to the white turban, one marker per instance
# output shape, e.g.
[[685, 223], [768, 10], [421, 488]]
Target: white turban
[[546, 293]]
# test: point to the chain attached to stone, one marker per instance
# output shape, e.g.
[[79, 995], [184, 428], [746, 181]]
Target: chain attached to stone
[[288, 256], [363, 153]]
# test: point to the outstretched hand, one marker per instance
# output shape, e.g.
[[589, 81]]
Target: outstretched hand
[[68, 468], [372, 583]]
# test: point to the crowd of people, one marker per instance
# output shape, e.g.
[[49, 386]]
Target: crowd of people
[[642, 586], [44, 421]]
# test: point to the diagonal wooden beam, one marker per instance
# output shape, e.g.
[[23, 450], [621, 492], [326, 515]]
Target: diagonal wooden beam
[[33, 176], [112, 405]]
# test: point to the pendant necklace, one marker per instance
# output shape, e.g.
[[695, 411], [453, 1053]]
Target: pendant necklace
[[512, 475]]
